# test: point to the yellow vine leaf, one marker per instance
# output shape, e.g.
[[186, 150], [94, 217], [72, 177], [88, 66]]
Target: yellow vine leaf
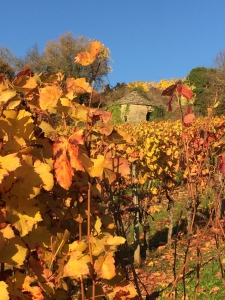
[[7, 232], [25, 83], [80, 246], [44, 172], [115, 240], [4, 291], [94, 167], [105, 267], [98, 225], [6, 95], [8, 164], [23, 214], [49, 96], [77, 266], [97, 245], [18, 123]]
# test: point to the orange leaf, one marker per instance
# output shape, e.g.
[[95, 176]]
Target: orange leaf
[[77, 137], [49, 96], [78, 86], [76, 163], [95, 48], [25, 83], [86, 58], [62, 166]]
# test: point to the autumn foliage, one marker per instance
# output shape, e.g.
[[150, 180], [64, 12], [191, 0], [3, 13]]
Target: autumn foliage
[[52, 226], [59, 235]]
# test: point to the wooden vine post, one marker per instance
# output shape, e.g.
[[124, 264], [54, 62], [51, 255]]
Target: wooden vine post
[[137, 252]]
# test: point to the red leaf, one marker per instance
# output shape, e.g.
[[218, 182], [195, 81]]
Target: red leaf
[[170, 90], [189, 118], [221, 164], [185, 91], [189, 109], [24, 72], [169, 103], [104, 116]]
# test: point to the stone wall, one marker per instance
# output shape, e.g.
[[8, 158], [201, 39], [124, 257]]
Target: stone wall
[[132, 114]]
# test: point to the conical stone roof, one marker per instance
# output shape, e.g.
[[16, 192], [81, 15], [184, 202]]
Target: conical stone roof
[[134, 98]]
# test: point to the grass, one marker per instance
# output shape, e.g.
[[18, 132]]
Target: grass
[[164, 263]]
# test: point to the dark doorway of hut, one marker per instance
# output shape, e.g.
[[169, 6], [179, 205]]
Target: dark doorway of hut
[[148, 115]]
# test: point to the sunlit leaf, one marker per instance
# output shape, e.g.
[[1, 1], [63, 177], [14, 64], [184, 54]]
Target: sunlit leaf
[[77, 266], [80, 246], [62, 166], [115, 240], [78, 86], [24, 83], [98, 225], [49, 96], [44, 171], [105, 267], [6, 95], [3, 290], [86, 58], [95, 48], [185, 91], [94, 167], [189, 118]]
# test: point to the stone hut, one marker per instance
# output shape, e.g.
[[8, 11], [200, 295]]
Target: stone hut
[[135, 108]]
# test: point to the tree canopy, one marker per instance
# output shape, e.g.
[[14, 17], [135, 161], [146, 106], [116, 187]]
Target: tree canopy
[[200, 77], [58, 56]]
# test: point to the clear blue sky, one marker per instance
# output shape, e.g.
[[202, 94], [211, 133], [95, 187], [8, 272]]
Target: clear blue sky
[[148, 39]]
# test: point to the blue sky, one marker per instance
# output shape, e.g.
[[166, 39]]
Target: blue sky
[[148, 39]]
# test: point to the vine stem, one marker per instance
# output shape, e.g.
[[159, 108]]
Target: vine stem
[[189, 184], [89, 238]]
